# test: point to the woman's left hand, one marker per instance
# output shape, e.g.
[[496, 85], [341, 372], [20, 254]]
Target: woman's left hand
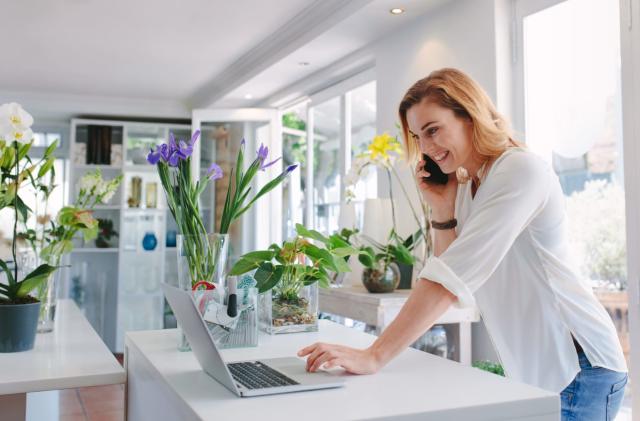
[[356, 361]]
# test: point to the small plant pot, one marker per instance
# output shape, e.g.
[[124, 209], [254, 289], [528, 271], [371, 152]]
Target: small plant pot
[[280, 315], [379, 280], [18, 326]]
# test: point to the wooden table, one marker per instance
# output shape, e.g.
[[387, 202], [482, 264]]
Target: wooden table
[[71, 356], [379, 310], [165, 384]]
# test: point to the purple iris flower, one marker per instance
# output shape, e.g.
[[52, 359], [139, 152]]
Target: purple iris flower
[[291, 168], [154, 156], [263, 152], [174, 159], [195, 136], [214, 172], [165, 152], [184, 150]]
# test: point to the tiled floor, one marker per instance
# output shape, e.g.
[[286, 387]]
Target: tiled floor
[[100, 403]]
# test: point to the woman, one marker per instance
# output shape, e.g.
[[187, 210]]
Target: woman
[[500, 244]]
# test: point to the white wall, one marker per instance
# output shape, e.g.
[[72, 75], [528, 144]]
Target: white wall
[[460, 34]]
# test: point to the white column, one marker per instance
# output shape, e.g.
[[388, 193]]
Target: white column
[[345, 144], [308, 194]]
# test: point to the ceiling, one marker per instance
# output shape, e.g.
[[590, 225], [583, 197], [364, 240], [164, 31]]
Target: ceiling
[[197, 52]]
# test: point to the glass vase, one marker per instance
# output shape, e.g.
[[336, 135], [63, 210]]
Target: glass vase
[[280, 314], [47, 291], [201, 258], [385, 278]]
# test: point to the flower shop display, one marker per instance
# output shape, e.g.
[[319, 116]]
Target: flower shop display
[[51, 239], [288, 277], [202, 255], [18, 310], [383, 152]]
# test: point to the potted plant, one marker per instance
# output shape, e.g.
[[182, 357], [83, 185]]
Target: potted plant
[[51, 239], [288, 276], [383, 153], [105, 233], [381, 273], [18, 310], [202, 255]]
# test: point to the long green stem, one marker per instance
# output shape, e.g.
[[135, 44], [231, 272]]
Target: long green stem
[[393, 209], [15, 222]]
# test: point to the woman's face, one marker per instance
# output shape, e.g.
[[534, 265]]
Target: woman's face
[[441, 135]]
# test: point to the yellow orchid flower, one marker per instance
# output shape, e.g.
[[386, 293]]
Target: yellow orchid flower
[[382, 145]]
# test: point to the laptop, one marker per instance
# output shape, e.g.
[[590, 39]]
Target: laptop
[[244, 378]]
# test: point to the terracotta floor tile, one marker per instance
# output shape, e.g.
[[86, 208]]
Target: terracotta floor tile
[[93, 406], [107, 416]]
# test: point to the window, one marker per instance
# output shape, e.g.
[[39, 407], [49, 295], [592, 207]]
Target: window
[[326, 165], [572, 114], [44, 139], [342, 123]]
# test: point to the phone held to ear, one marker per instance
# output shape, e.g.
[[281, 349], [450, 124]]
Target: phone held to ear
[[437, 176]]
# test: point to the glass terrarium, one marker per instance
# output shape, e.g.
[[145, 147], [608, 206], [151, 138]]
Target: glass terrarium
[[289, 310]]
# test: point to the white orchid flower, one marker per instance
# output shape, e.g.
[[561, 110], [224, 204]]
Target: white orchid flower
[[15, 123]]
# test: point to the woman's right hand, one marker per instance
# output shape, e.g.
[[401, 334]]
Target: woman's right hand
[[441, 198]]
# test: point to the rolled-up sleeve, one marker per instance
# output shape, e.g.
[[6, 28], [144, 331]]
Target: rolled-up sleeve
[[515, 190]]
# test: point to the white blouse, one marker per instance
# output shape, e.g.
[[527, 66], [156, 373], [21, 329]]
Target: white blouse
[[511, 259]]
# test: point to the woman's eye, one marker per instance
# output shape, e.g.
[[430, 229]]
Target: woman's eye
[[431, 131]]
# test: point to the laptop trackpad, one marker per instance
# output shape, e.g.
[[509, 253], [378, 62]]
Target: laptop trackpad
[[295, 368]]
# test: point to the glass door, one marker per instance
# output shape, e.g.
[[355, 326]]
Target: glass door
[[222, 132]]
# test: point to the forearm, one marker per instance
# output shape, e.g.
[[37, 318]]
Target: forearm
[[428, 301]]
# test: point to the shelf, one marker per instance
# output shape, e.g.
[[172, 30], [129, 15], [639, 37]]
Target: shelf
[[140, 168], [96, 166], [95, 250]]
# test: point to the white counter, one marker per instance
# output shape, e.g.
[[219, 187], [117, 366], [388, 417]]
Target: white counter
[[166, 384], [71, 356]]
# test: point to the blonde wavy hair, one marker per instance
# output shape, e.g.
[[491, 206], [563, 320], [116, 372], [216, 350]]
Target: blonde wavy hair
[[453, 89]]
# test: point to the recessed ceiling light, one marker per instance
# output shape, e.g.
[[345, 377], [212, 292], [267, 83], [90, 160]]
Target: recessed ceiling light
[[248, 96], [303, 63], [396, 11]]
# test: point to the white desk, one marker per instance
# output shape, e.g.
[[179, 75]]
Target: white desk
[[379, 310], [163, 383], [71, 356]]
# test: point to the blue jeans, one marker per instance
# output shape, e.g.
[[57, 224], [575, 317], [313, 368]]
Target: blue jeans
[[594, 395]]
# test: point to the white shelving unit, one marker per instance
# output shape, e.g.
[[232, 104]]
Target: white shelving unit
[[122, 289]]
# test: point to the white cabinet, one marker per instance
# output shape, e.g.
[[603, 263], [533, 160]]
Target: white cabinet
[[122, 286]]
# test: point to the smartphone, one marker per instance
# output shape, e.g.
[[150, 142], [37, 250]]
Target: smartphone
[[437, 176]]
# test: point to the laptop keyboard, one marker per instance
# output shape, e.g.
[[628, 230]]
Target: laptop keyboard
[[255, 375]]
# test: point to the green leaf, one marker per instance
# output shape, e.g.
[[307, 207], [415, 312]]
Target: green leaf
[[34, 279], [402, 254], [344, 251], [336, 241], [301, 230], [320, 255], [23, 150], [341, 265], [243, 266], [6, 270], [23, 209], [259, 255], [50, 149], [44, 168], [267, 276]]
